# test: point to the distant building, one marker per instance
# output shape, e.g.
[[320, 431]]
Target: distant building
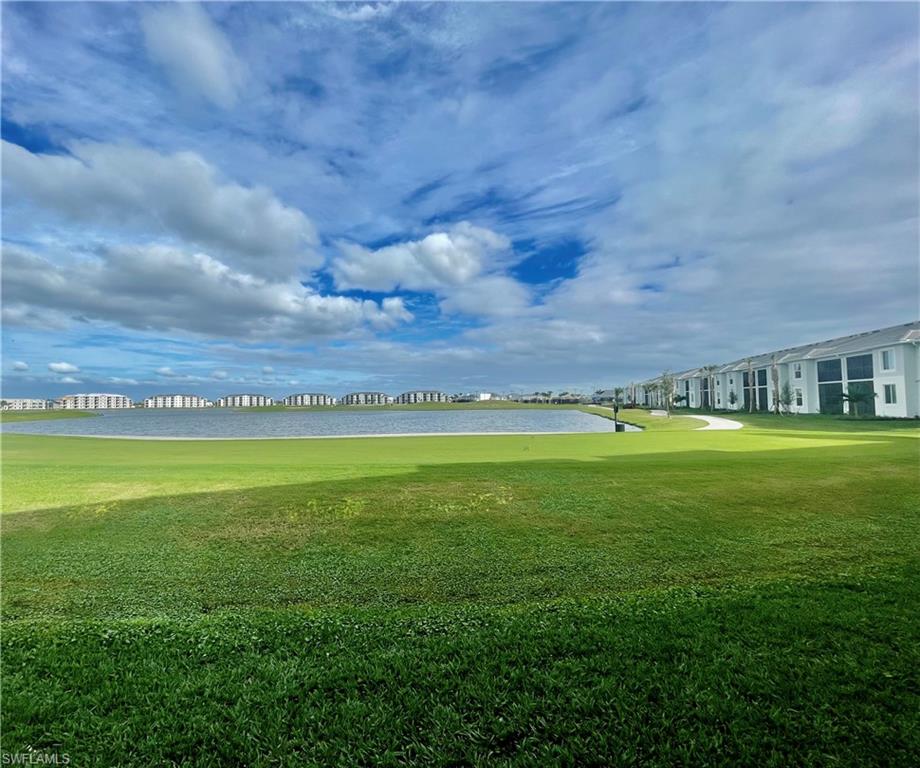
[[25, 404], [367, 398], [874, 373], [532, 397], [568, 398], [422, 396], [309, 398], [93, 402], [245, 401], [177, 401]]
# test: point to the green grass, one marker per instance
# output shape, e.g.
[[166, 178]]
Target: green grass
[[12, 417], [669, 597]]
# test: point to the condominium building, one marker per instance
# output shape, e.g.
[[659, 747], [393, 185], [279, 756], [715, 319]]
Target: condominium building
[[25, 404], [422, 396], [245, 401], [872, 373], [309, 398], [367, 398], [93, 402], [177, 401]]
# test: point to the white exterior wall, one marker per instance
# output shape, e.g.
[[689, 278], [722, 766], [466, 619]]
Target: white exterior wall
[[245, 401], [177, 401], [309, 399], [367, 398], [422, 396], [26, 404], [94, 402]]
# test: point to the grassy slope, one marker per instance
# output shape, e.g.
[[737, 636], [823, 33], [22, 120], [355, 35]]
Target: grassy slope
[[672, 596]]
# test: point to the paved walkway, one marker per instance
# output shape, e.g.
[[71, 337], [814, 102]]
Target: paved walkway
[[712, 422]]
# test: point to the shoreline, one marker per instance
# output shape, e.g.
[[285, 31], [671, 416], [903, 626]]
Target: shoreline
[[164, 438]]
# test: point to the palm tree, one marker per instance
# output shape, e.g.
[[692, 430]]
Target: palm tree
[[752, 385], [710, 370], [774, 376], [857, 396]]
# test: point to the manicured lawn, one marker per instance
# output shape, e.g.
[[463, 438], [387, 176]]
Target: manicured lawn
[[669, 597]]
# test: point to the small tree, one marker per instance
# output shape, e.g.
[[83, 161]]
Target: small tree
[[786, 397], [732, 398], [618, 395]]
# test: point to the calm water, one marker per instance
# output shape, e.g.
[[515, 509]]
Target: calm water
[[223, 422]]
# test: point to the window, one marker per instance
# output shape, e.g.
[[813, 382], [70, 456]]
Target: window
[[799, 400], [891, 394], [829, 370], [797, 370], [887, 360], [859, 367], [830, 397], [731, 380]]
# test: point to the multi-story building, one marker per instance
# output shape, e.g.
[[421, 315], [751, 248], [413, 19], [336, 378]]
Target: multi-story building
[[422, 396], [367, 398], [245, 401], [177, 401], [872, 373], [25, 404], [309, 398], [93, 402]]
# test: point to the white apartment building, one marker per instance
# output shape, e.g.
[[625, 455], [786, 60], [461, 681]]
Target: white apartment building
[[873, 373], [245, 401], [93, 402], [177, 401], [367, 398], [422, 396], [25, 404], [309, 398]]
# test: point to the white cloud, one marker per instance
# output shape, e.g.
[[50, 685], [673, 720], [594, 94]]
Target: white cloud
[[70, 380], [19, 365], [220, 375], [166, 289], [267, 369], [488, 296], [440, 260], [358, 11], [195, 54], [166, 371], [63, 368], [120, 380], [179, 195]]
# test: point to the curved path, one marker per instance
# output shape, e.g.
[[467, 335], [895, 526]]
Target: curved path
[[712, 422]]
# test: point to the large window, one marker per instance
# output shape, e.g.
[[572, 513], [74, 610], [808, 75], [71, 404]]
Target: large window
[[859, 368], [799, 400], [797, 370], [830, 397], [829, 370], [891, 394], [861, 398], [887, 359]]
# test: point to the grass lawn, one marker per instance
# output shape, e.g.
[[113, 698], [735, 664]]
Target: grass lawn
[[656, 598]]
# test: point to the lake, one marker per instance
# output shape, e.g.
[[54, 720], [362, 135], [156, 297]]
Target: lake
[[231, 423]]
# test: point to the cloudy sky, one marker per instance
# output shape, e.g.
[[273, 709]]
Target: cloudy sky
[[282, 198]]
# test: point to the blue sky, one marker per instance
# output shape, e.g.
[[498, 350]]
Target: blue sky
[[320, 197]]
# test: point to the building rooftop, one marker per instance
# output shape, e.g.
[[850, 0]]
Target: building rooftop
[[843, 345]]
